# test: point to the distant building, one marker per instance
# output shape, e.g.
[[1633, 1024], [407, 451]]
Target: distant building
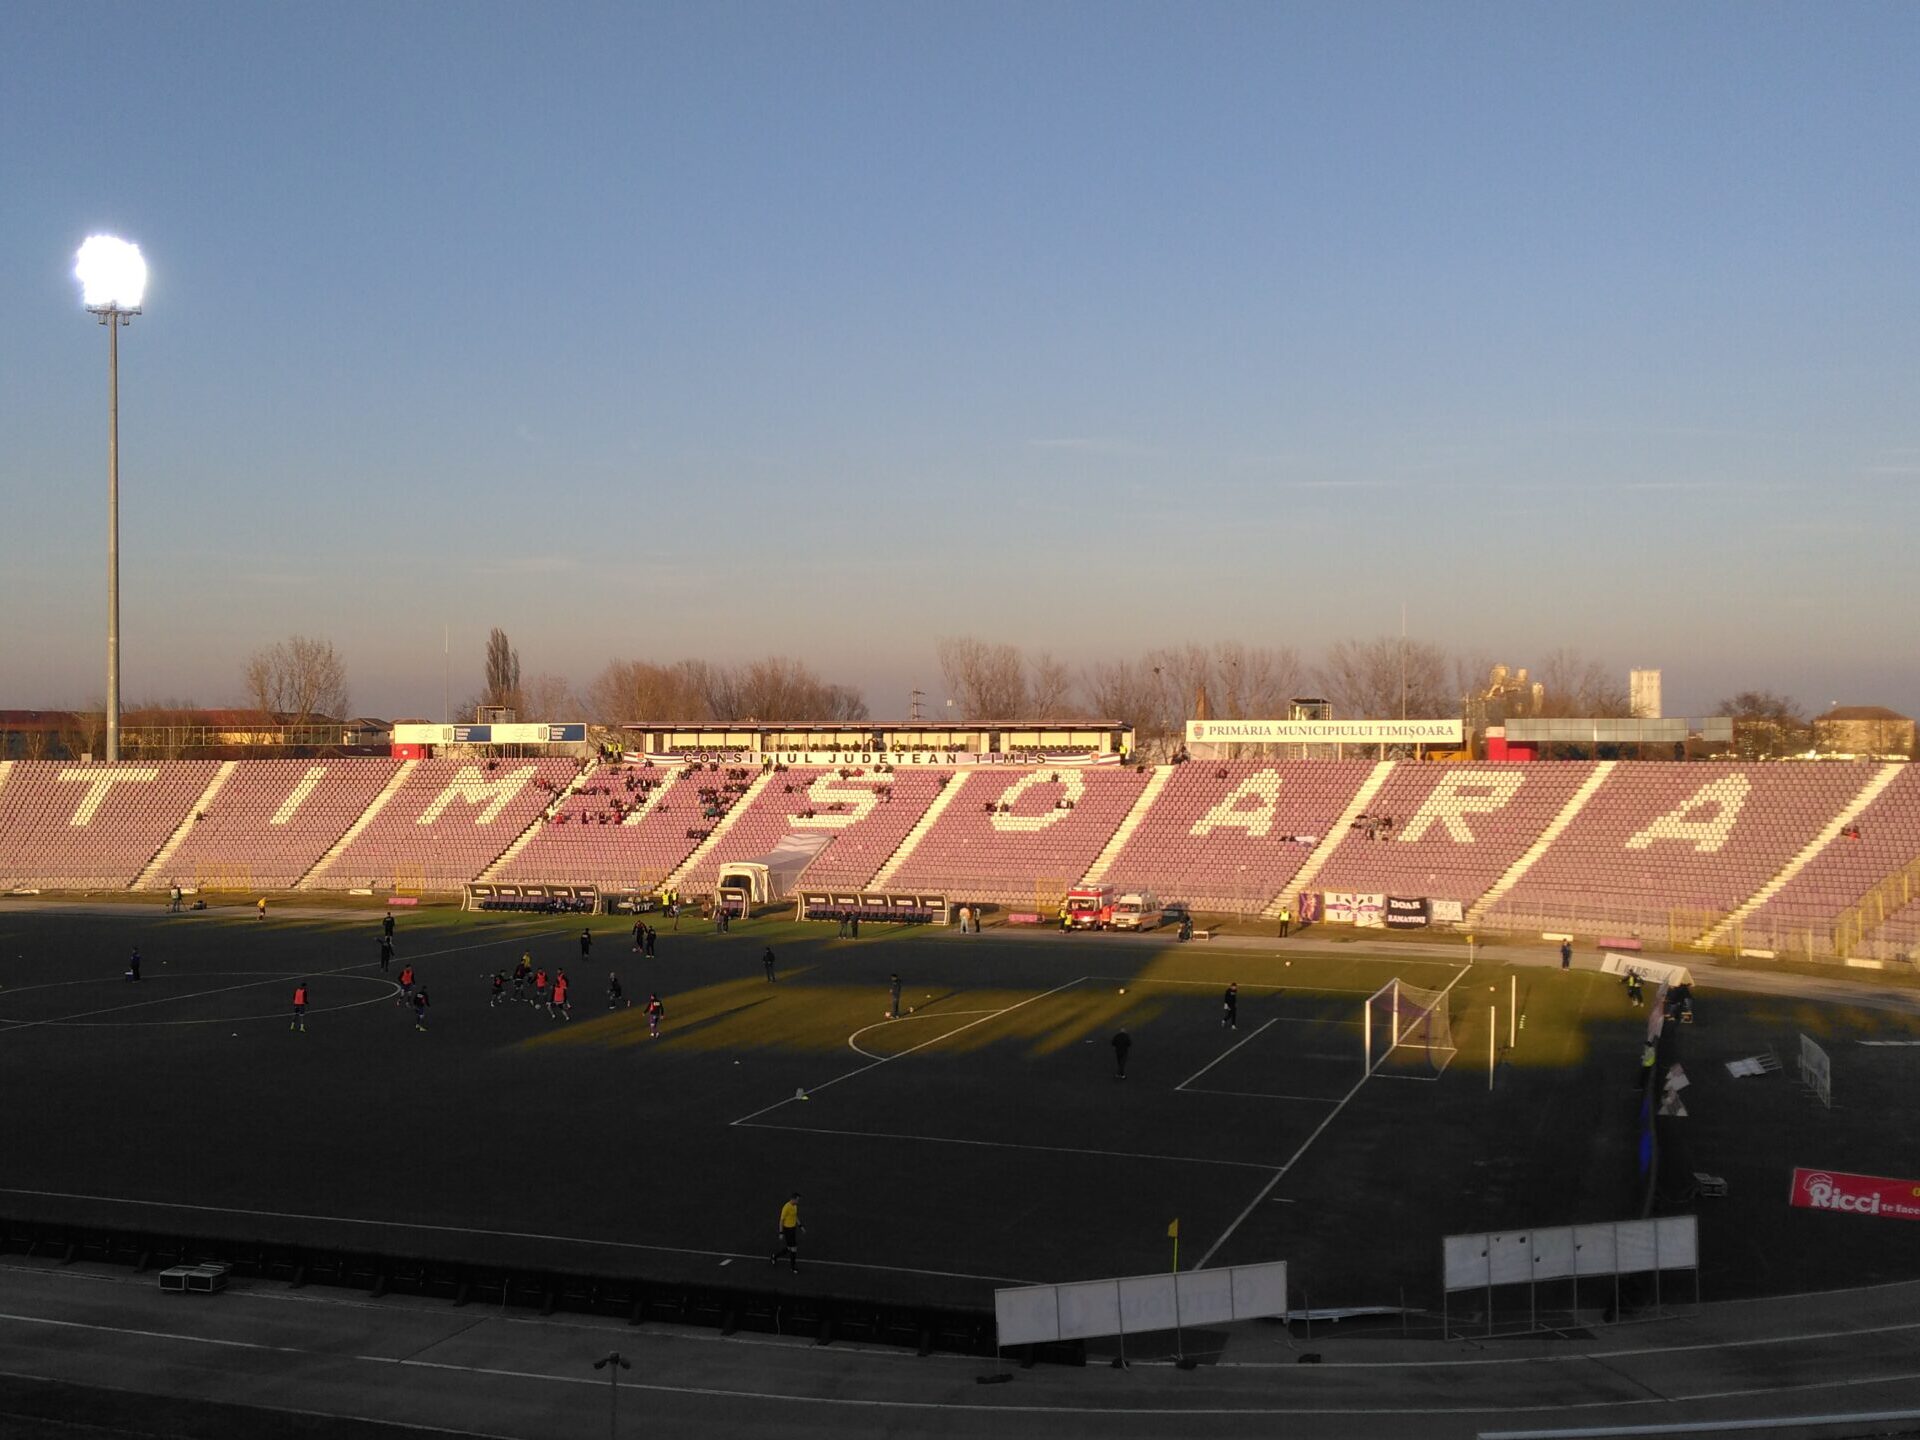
[[1643, 694], [1863, 730]]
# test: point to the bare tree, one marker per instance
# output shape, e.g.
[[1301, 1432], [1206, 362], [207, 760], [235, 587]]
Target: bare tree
[[988, 681], [299, 678], [503, 670], [1135, 692], [1574, 685], [1767, 726], [83, 731], [1254, 682], [777, 689], [546, 697], [1384, 678], [629, 690], [1049, 687]]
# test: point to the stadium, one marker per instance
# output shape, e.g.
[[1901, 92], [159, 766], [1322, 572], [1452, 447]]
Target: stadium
[[1216, 737], [1574, 1156]]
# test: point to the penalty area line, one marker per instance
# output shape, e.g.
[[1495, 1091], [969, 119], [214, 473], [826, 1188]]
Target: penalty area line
[[1224, 1054], [988, 1018], [1305, 1145]]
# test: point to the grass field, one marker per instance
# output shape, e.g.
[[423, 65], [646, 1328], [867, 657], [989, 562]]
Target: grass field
[[983, 1139]]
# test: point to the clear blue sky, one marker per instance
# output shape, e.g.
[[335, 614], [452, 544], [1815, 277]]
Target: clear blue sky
[[647, 331]]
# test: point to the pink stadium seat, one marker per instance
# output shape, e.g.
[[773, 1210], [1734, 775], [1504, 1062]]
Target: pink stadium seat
[[273, 820], [91, 827], [866, 812], [627, 827], [1009, 833], [1232, 836], [1662, 844], [1447, 832], [449, 820], [1844, 871]]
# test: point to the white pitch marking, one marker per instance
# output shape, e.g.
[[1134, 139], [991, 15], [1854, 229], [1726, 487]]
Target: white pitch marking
[[280, 978], [990, 1015], [1305, 1145], [879, 1024], [1222, 1055]]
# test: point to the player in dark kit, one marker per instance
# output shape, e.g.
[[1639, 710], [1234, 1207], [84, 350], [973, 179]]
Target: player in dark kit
[[522, 972], [1230, 1008], [767, 961], [1122, 1043], [386, 925], [386, 952], [586, 943], [420, 1010], [499, 988], [615, 995], [656, 1012]]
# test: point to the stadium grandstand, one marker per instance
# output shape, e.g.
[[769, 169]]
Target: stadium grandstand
[[1792, 857]]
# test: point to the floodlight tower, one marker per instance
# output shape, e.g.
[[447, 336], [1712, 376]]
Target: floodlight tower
[[113, 279]]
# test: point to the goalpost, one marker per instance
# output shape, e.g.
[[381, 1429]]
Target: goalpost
[[1406, 1024]]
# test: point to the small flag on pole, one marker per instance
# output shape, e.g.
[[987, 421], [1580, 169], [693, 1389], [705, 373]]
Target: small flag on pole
[[1173, 1230]]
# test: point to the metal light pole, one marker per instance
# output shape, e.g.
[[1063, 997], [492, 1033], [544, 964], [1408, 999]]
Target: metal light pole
[[613, 1364], [113, 278]]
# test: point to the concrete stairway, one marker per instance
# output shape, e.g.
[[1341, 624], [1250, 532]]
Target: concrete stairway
[[367, 817], [164, 855], [883, 877], [720, 828], [1575, 804], [1828, 834], [1316, 862], [1156, 782], [526, 836]]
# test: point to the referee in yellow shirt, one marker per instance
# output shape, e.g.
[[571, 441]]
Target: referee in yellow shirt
[[790, 1228]]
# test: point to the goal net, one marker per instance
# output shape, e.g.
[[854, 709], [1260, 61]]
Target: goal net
[[1408, 1029]]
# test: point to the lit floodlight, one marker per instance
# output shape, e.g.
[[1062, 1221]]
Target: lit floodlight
[[112, 273]]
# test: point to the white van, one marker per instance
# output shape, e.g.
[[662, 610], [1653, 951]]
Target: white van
[[1137, 910]]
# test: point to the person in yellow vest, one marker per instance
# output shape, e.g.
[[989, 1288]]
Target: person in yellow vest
[[261, 906], [790, 1231], [1286, 920]]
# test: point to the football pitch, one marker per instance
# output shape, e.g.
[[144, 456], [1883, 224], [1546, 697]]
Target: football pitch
[[983, 1138]]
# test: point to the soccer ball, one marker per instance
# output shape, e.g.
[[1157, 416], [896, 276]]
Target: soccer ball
[[1123, 989]]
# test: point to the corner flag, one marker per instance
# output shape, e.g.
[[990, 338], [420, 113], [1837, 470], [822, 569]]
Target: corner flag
[[1173, 1230]]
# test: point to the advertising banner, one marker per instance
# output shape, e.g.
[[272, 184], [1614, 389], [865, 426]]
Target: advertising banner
[[1856, 1194], [538, 734], [1325, 732], [1405, 913]]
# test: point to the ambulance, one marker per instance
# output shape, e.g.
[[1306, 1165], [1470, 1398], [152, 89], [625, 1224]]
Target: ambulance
[[1138, 910], [1090, 907]]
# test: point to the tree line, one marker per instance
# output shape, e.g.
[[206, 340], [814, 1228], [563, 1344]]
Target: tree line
[[302, 679]]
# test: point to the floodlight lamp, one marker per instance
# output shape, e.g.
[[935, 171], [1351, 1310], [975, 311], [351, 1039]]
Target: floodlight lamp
[[112, 274]]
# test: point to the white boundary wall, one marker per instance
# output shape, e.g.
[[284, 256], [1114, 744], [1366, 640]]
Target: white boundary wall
[[1083, 1310], [1624, 1247]]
